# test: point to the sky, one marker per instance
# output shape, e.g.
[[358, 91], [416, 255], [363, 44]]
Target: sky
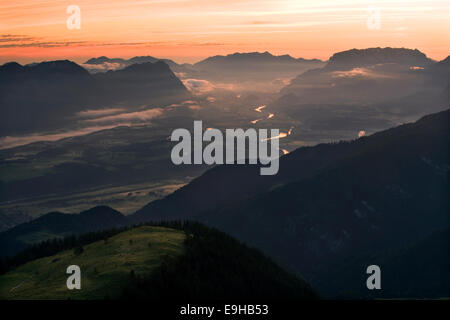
[[190, 30]]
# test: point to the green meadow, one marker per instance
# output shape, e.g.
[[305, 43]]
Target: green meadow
[[105, 266]]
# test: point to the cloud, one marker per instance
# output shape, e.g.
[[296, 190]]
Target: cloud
[[180, 74], [201, 86], [10, 142], [356, 72], [15, 38], [359, 72], [24, 41], [138, 116], [189, 102], [106, 66], [258, 22], [198, 86], [186, 103], [95, 120], [99, 112]]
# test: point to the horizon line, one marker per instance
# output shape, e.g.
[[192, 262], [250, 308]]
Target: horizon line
[[127, 57]]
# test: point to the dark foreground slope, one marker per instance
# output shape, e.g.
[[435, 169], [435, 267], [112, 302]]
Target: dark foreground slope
[[332, 203], [190, 262], [331, 211], [416, 270]]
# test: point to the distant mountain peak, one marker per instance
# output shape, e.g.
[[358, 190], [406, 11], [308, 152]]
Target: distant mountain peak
[[103, 59], [444, 63], [12, 64], [371, 56], [57, 224], [58, 66], [101, 210], [145, 68], [11, 67], [251, 57], [124, 62]]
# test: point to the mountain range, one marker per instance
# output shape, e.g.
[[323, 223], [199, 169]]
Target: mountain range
[[330, 203], [331, 210], [392, 78], [104, 63], [375, 83], [367, 57], [45, 95], [255, 66]]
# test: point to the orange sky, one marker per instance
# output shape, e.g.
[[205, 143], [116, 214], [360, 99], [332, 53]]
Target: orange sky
[[187, 31]]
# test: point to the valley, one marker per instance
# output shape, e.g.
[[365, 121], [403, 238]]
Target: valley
[[363, 167], [127, 198]]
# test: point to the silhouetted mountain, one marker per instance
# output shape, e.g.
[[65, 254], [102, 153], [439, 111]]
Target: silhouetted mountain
[[33, 97], [391, 80], [49, 73], [215, 266], [439, 72], [330, 203], [366, 57], [42, 96], [103, 59], [233, 67], [141, 82], [332, 208], [119, 63], [245, 58], [253, 65], [56, 224], [446, 93], [444, 63]]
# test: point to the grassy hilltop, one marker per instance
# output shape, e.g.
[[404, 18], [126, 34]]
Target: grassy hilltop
[[105, 266], [186, 262]]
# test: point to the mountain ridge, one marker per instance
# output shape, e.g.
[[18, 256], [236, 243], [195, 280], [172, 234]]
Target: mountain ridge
[[262, 56], [127, 62], [57, 224], [375, 199], [377, 189], [59, 89], [362, 57]]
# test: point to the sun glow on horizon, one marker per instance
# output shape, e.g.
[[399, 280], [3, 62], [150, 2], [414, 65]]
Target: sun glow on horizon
[[187, 31]]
